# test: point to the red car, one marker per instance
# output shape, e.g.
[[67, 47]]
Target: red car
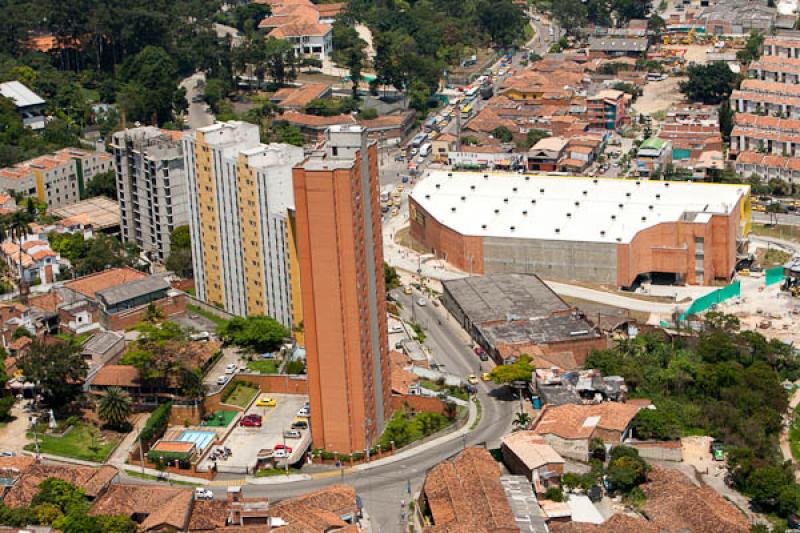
[[478, 350], [251, 421], [282, 447]]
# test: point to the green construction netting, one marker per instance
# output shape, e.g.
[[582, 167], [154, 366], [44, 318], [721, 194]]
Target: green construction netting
[[774, 275], [718, 296]]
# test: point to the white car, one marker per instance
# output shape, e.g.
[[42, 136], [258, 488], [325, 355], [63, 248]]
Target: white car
[[231, 368], [222, 380], [280, 454], [203, 494], [305, 412], [422, 302]]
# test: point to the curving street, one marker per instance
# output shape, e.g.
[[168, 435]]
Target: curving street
[[383, 487]]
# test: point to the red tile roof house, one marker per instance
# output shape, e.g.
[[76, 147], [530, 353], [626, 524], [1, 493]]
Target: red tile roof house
[[465, 495], [93, 481], [570, 428], [527, 454]]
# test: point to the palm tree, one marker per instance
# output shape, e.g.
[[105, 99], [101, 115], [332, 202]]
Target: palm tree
[[115, 407], [521, 421], [17, 230]]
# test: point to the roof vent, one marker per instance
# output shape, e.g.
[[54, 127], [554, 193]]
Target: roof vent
[[644, 219], [463, 198], [525, 213], [638, 183], [514, 189], [558, 230], [527, 178], [449, 174], [585, 193], [577, 204], [496, 211], [602, 233], [505, 200], [533, 201], [483, 226], [541, 191], [569, 215], [613, 217], [619, 239], [438, 186], [427, 196], [512, 228], [472, 187], [486, 175], [452, 209], [628, 195], [650, 207], [594, 181], [620, 205], [658, 196], [666, 184]]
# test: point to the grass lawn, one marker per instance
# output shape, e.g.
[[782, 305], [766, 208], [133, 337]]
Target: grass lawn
[[789, 233], [221, 419], [242, 395], [219, 322], [134, 473], [270, 472], [263, 366], [77, 443], [794, 435]]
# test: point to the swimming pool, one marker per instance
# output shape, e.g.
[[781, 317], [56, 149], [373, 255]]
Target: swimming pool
[[201, 439]]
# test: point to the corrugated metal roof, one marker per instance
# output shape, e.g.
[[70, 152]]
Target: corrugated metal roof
[[21, 95]]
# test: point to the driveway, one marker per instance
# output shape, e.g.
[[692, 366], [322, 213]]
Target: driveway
[[230, 354], [12, 435], [198, 114]]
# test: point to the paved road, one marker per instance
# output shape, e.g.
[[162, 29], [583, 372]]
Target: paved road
[[785, 219], [789, 246], [382, 488], [198, 115]]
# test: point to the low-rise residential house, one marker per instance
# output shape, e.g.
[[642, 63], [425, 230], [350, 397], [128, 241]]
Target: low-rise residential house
[[545, 155], [13, 316], [653, 155], [389, 129], [91, 480], [465, 494], [608, 47], [485, 156], [152, 507], [441, 146], [527, 454], [297, 98], [570, 428], [313, 127], [7, 204], [101, 348], [689, 140], [309, 39], [30, 106], [608, 109], [34, 262]]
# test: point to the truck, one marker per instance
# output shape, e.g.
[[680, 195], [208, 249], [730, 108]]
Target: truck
[[419, 139]]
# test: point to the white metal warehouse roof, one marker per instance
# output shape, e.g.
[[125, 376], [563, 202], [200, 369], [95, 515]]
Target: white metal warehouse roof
[[566, 208], [21, 95]]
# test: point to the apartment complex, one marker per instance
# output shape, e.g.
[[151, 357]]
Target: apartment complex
[[240, 198], [341, 266], [151, 187], [766, 135], [608, 109], [58, 178]]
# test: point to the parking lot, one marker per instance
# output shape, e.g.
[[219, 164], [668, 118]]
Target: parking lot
[[245, 442]]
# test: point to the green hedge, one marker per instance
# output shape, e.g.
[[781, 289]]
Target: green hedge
[[154, 455], [156, 424]]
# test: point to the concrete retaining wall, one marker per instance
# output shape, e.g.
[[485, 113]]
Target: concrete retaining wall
[[658, 450]]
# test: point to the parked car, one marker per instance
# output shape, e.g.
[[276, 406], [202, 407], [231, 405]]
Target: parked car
[[304, 412], [266, 401], [486, 377], [472, 379], [231, 368], [292, 434], [282, 447], [222, 380], [422, 302], [280, 454], [300, 424], [203, 494], [250, 421], [399, 157], [484, 357], [478, 350]]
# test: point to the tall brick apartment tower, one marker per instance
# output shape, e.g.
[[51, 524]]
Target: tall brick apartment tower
[[340, 251]]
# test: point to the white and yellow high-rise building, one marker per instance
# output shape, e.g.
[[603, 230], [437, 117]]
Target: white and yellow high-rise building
[[241, 206]]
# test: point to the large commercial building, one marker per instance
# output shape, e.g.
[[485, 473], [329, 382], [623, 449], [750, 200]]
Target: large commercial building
[[151, 187], [240, 197], [341, 266], [58, 178], [589, 229], [513, 314]]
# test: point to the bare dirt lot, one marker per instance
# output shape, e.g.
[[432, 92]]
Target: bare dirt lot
[[659, 96]]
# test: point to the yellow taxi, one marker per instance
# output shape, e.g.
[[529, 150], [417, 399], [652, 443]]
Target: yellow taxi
[[406, 290], [486, 376], [266, 401]]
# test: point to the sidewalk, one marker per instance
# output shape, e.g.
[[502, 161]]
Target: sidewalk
[[120, 455]]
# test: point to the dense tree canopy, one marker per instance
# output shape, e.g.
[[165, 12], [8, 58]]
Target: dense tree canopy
[[259, 333], [710, 83], [56, 368]]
